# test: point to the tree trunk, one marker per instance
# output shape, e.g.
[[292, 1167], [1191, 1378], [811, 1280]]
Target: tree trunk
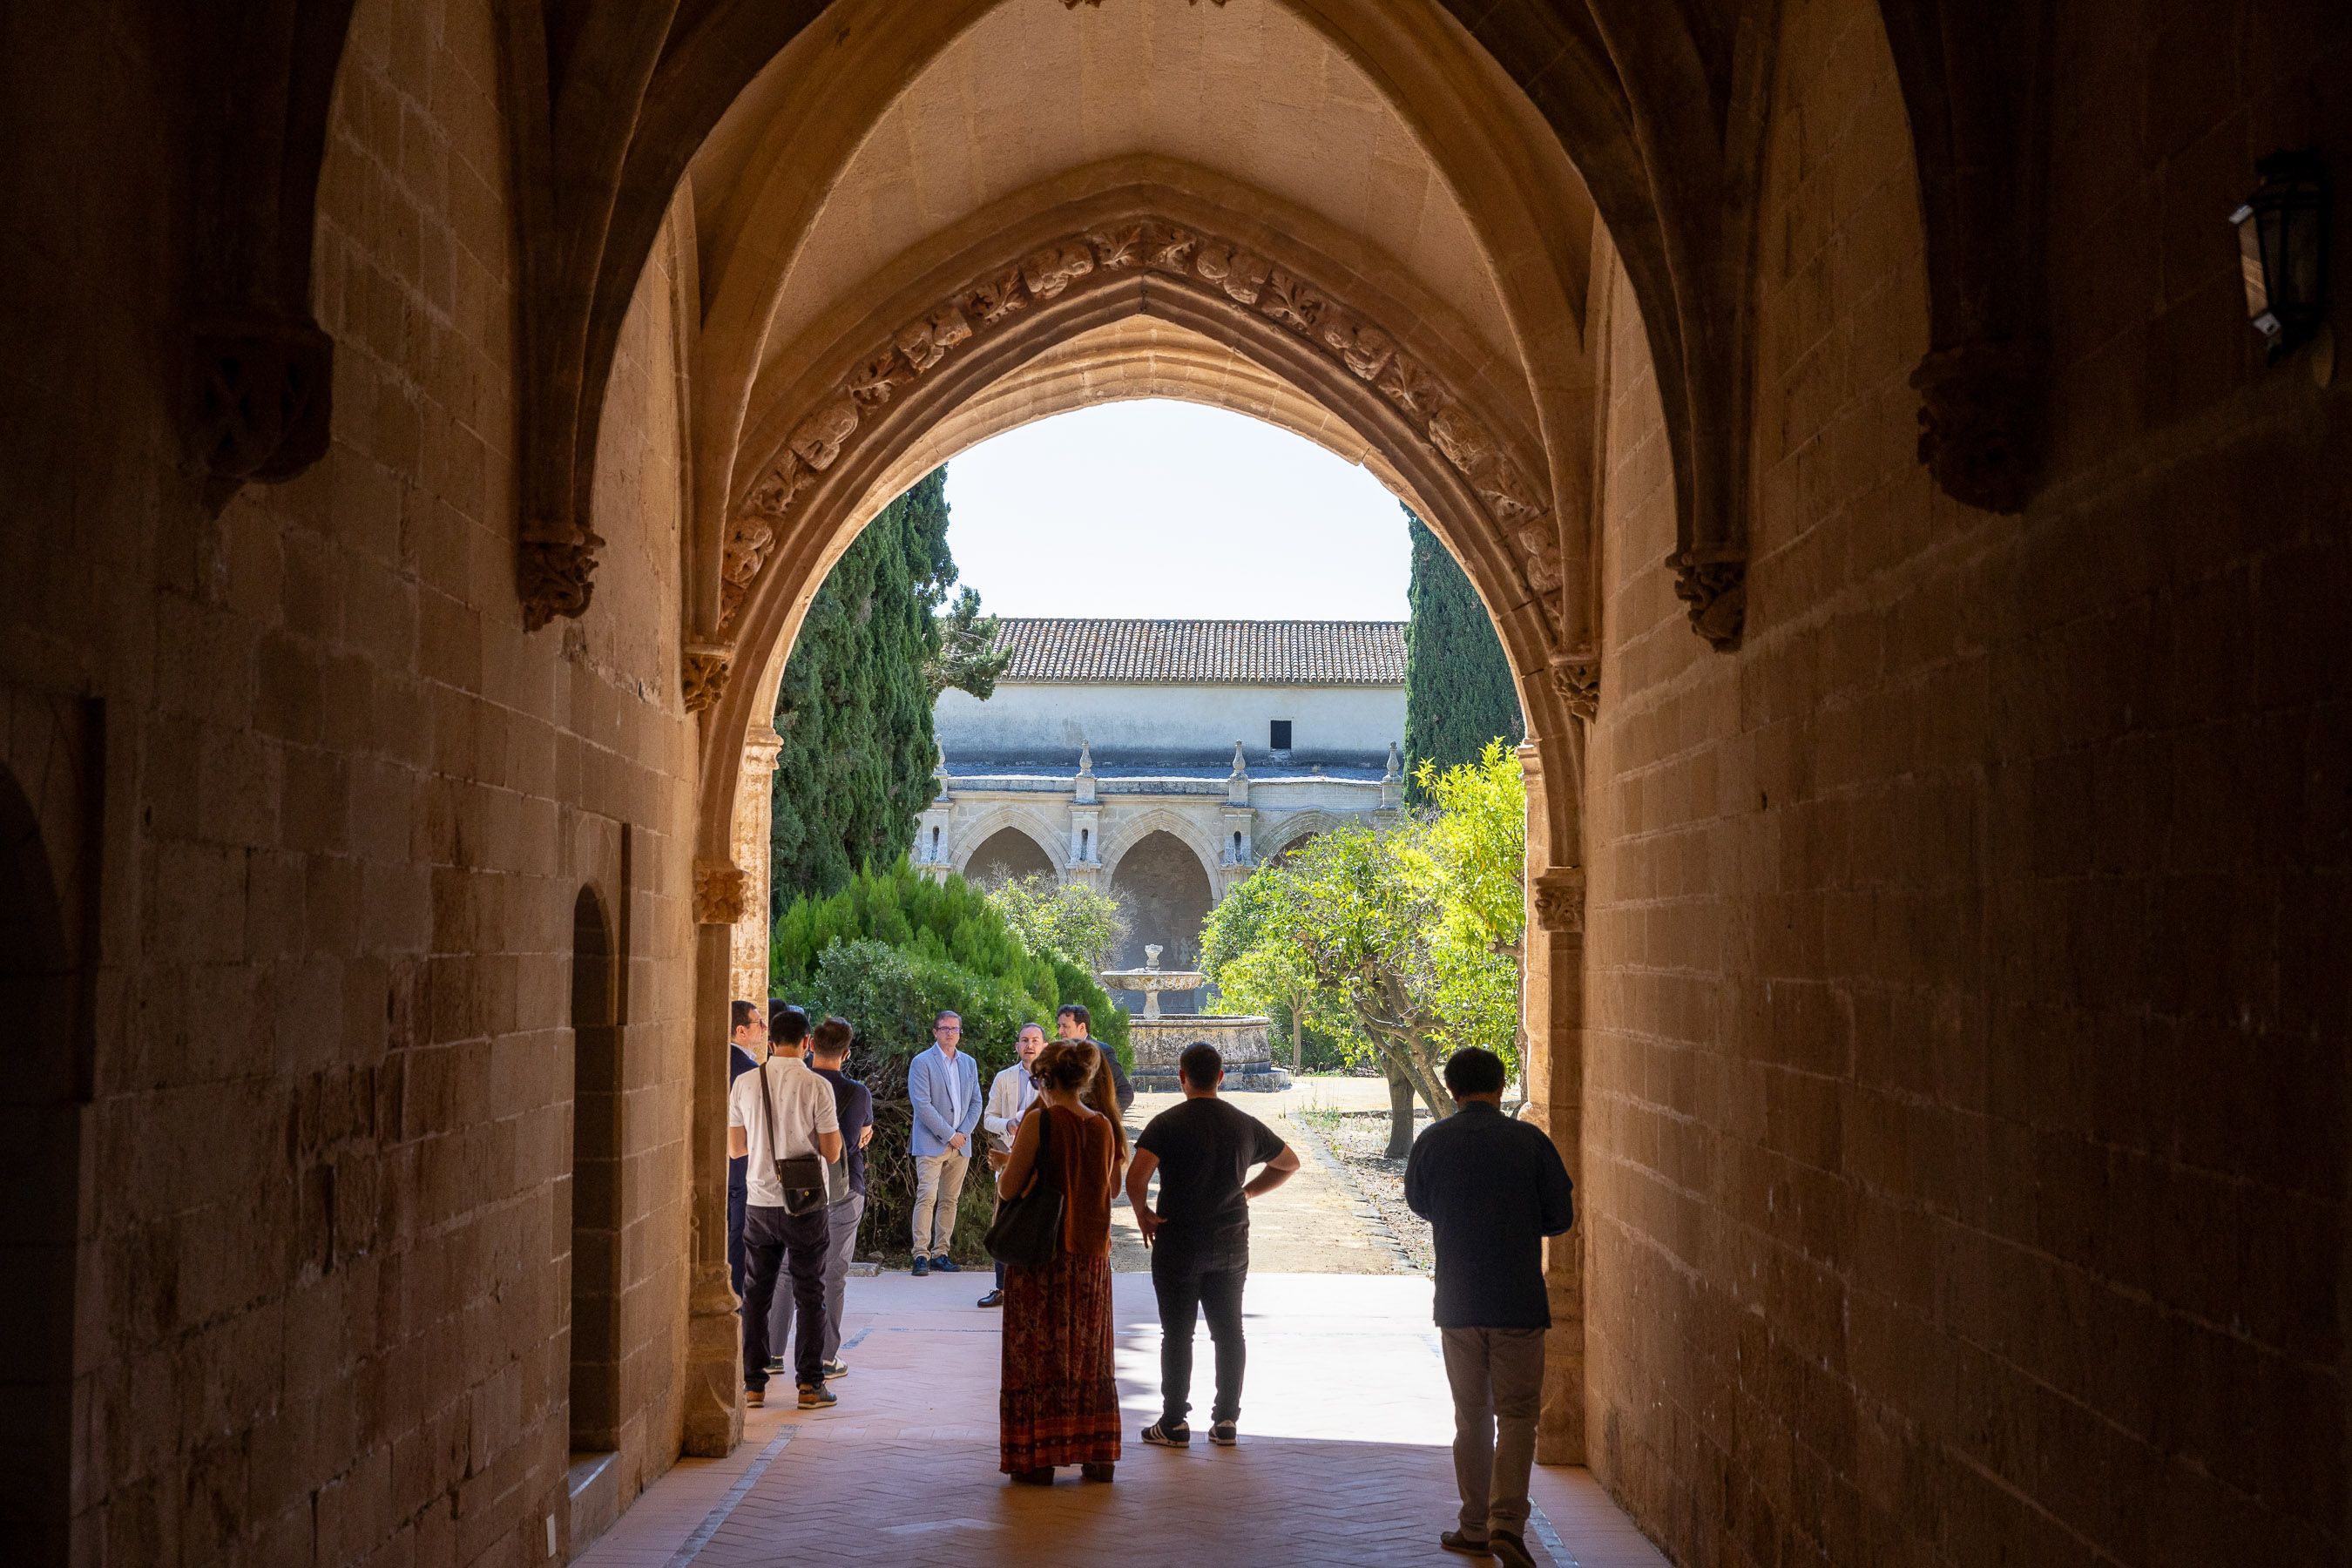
[[1400, 1096], [1297, 1041]]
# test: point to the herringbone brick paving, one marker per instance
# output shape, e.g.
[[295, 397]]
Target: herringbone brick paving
[[1343, 1460]]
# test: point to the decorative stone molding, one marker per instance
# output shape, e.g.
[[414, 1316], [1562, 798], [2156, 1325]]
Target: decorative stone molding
[[1576, 676], [1559, 899], [1717, 593], [259, 395], [1216, 268], [556, 572], [1980, 422], [721, 893], [702, 677]]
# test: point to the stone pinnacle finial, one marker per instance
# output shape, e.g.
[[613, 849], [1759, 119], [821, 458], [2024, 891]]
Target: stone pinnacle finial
[[1396, 766], [1085, 757], [1240, 767]]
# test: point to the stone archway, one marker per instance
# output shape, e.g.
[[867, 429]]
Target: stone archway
[[1167, 893], [811, 405], [1006, 854]]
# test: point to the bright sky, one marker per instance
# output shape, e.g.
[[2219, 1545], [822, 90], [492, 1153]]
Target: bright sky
[[1173, 509]]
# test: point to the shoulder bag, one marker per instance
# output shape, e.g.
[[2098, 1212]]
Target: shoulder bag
[[1027, 1229], [810, 1181]]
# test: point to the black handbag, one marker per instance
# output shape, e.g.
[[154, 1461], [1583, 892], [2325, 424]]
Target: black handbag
[[810, 1182], [1027, 1229]]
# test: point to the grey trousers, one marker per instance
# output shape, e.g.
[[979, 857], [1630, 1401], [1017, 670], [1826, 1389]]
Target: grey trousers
[[1497, 1375], [840, 1220]]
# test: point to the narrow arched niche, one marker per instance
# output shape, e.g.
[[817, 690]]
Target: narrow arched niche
[[595, 1181], [40, 1168]]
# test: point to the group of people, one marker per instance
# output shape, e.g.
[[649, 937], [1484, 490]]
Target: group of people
[[1492, 1188]]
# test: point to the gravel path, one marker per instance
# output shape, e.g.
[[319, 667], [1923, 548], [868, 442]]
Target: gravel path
[[1323, 1220]]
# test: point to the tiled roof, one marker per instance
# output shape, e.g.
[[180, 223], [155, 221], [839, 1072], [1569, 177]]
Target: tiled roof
[[1214, 653]]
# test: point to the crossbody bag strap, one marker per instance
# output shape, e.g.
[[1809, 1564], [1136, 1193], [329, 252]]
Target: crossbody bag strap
[[1045, 1146], [768, 1114]]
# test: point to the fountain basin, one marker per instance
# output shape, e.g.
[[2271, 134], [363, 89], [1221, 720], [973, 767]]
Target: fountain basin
[[1245, 1041]]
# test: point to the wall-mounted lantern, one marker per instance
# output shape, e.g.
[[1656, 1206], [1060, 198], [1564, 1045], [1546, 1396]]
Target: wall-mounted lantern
[[2283, 248]]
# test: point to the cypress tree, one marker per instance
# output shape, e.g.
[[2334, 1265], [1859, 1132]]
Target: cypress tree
[[1458, 693], [855, 707]]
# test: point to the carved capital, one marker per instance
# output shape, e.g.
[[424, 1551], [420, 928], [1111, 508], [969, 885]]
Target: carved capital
[[702, 679], [556, 572], [1558, 898], [259, 395], [1980, 422], [1716, 592], [722, 892], [1576, 676]]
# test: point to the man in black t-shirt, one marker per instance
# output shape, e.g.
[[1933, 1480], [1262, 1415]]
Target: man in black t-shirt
[[1199, 1235]]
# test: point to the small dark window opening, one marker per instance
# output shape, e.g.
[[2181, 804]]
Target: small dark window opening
[[1279, 736], [1237, 845], [934, 843], [1083, 833]]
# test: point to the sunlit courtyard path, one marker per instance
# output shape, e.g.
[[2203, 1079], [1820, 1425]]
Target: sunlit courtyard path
[[1343, 1458]]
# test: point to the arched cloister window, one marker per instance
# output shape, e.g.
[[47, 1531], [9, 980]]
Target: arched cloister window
[[1007, 855], [595, 1181], [40, 1197], [1167, 895]]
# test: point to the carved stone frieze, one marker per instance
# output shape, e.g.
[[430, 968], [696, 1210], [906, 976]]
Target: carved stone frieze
[[555, 572], [721, 893], [259, 395], [702, 678], [1576, 676], [1717, 593], [1980, 422], [1216, 267], [1558, 898]]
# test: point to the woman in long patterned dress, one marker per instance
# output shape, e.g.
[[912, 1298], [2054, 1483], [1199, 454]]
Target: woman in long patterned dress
[[1060, 1399]]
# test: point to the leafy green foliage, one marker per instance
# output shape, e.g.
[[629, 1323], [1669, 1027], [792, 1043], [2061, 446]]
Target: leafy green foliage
[[855, 707], [1081, 924], [889, 952], [1458, 693], [1410, 935], [1255, 971]]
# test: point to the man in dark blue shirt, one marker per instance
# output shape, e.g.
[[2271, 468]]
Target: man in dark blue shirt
[[742, 1055], [829, 1054], [1491, 1189]]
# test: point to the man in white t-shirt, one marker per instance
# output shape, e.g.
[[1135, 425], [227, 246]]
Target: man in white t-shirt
[[781, 1111]]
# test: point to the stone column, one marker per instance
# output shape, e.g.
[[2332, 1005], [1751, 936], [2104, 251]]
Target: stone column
[[712, 1396], [1552, 1055], [754, 809]]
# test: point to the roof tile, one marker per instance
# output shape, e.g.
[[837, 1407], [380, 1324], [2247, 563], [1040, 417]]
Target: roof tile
[[1213, 652]]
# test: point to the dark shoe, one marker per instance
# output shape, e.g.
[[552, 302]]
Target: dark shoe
[[816, 1397], [754, 1398], [993, 1299], [1223, 1434], [775, 1366], [922, 1266], [832, 1368], [1040, 1478], [946, 1265], [1166, 1434], [1454, 1541], [1095, 1472], [1510, 1550]]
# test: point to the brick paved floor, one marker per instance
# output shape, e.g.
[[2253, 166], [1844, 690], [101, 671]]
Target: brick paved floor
[[1343, 1458]]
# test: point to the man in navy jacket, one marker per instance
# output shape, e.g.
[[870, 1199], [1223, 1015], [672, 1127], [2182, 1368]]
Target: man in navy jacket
[[1491, 1189]]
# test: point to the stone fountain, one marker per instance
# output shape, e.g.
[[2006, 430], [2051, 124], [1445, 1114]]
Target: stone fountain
[[1245, 1041]]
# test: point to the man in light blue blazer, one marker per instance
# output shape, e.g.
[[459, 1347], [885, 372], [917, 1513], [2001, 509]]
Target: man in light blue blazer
[[943, 1084]]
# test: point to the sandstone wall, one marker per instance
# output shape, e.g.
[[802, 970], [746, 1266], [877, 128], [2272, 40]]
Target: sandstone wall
[[347, 808], [1965, 1065]]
